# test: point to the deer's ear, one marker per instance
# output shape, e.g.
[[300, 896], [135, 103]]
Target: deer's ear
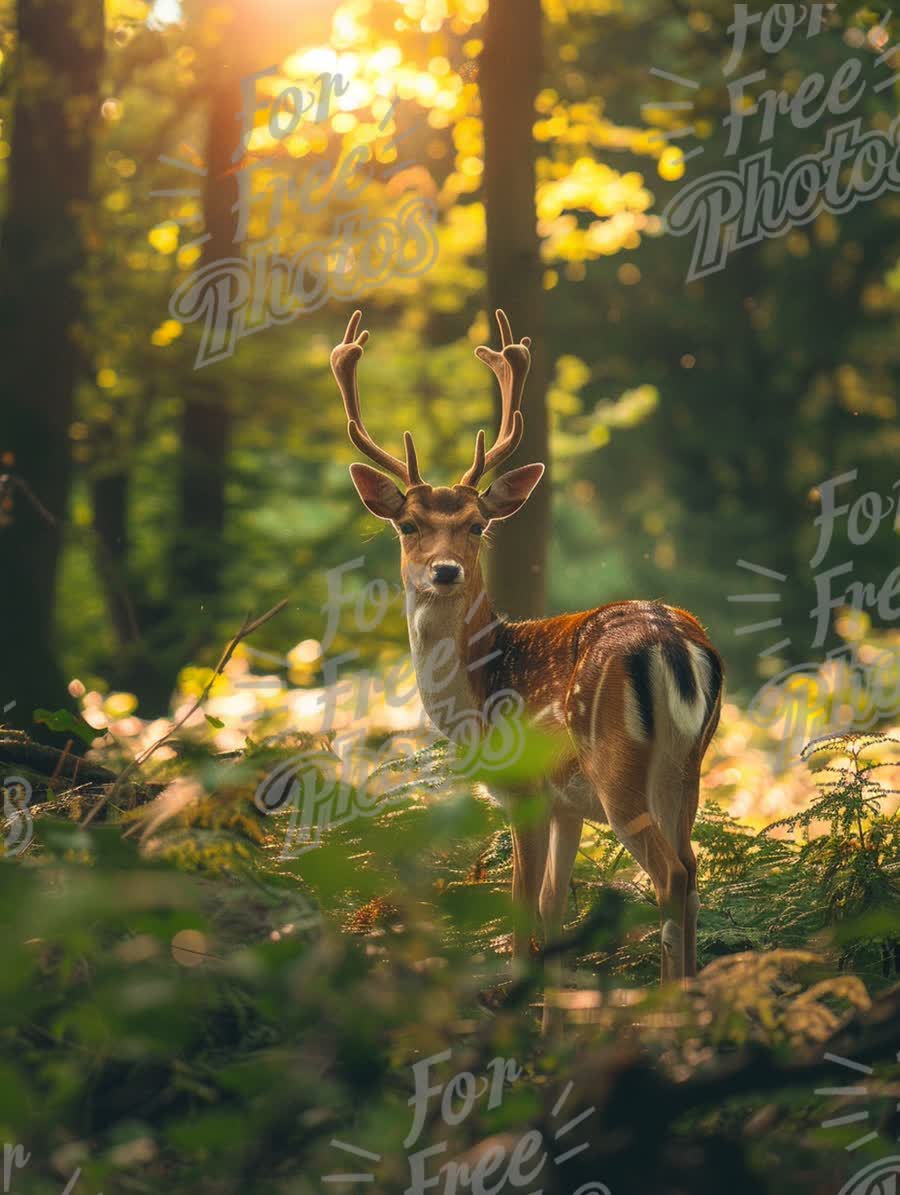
[[511, 491], [379, 494]]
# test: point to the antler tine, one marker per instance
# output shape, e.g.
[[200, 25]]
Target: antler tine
[[344, 360], [473, 476], [511, 366], [412, 461]]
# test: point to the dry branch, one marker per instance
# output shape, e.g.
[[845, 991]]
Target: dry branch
[[248, 626]]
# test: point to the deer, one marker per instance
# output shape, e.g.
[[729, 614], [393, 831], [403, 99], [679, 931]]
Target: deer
[[633, 688]]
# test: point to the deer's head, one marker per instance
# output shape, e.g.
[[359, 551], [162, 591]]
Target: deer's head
[[441, 527]]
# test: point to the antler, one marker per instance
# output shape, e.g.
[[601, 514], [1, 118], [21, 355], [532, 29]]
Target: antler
[[511, 365], [344, 359]]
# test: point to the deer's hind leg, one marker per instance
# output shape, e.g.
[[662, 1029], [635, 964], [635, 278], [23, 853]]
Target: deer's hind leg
[[689, 802], [622, 785], [672, 883]]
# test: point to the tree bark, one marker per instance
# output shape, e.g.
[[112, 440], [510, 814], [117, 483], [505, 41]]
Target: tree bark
[[59, 57], [198, 550], [109, 499], [510, 74]]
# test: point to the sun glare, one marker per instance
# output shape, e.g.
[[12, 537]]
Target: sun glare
[[165, 12]]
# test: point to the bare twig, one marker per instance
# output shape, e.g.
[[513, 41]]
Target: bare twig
[[13, 481], [17, 748], [248, 627], [59, 764]]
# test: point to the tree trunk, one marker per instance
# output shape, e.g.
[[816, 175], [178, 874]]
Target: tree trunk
[[59, 56], [109, 498], [198, 552], [148, 644], [509, 81]]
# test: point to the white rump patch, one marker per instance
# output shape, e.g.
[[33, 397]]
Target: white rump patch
[[678, 724], [687, 716], [702, 669], [634, 723]]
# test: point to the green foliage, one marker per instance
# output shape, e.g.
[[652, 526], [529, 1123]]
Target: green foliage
[[65, 720], [838, 883], [723, 402], [849, 876], [187, 1007]]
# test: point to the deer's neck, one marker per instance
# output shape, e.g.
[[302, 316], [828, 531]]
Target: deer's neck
[[453, 643]]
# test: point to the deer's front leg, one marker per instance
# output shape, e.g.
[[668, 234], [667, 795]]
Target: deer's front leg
[[530, 839], [565, 838]]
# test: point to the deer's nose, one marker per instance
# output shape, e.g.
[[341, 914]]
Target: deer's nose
[[446, 572]]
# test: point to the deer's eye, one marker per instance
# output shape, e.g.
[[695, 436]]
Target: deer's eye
[[476, 529], [408, 529]]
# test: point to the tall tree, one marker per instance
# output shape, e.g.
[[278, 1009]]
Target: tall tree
[[510, 77], [249, 39], [56, 93], [198, 548]]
